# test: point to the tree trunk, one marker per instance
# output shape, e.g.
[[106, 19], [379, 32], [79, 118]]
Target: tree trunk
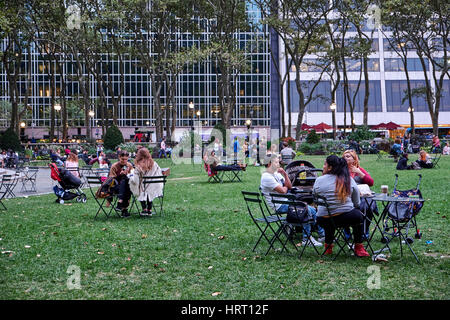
[[366, 93]]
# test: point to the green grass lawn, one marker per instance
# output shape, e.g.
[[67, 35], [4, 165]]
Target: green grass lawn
[[203, 246]]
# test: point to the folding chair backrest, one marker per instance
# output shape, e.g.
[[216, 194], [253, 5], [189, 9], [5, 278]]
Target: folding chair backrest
[[93, 181], [100, 171], [321, 201], [254, 204], [7, 179], [436, 159], [154, 179]]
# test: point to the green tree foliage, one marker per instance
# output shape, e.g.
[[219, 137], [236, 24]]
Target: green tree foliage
[[312, 137], [113, 137], [362, 133], [10, 140]]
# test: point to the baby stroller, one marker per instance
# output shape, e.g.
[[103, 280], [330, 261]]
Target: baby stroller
[[70, 185], [302, 175]]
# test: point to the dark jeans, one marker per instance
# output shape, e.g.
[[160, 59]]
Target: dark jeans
[[353, 218], [231, 167], [123, 193]]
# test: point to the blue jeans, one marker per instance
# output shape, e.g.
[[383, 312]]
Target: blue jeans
[[162, 152], [307, 226]]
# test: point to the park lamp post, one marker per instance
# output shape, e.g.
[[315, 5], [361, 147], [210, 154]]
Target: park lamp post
[[333, 118], [57, 109], [191, 112], [22, 126], [248, 123], [411, 117], [91, 115]]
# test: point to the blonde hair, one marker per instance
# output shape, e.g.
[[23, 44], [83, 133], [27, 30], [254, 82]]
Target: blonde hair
[[354, 156], [144, 159]]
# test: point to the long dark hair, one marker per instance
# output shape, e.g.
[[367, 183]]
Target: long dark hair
[[339, 168]]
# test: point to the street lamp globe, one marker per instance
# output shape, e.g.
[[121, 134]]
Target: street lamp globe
[[57, 107], [22, 124], [91, 114], [191, 105], [248, 123], [333, 106]]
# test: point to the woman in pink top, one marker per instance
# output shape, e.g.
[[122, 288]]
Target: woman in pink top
[[72, 164], [360, 176]]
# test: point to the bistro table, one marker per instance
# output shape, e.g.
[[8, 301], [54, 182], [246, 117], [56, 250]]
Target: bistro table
[[387, 201]]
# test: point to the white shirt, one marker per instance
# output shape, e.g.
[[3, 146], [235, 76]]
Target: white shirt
[[269, 182]]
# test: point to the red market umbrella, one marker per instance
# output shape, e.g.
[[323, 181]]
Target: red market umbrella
[[379, 126], [322, 127], [305, 127], [392, 126]]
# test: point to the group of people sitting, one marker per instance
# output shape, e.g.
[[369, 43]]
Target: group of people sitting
[[424, 161], [9, 159], [129, 177], [339, 185], [130, 181]]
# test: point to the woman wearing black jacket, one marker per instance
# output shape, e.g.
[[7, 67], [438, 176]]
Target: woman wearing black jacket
[[402, 164]]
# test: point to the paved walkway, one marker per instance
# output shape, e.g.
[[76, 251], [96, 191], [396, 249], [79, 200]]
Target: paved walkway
[[44, 184]]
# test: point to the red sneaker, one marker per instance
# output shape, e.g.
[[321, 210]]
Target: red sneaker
[[328, 249], [360, 251]]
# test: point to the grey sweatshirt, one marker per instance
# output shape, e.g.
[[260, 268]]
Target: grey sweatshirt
[[325, 186]]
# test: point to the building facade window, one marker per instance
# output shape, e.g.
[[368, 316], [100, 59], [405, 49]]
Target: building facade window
[[396, 91]]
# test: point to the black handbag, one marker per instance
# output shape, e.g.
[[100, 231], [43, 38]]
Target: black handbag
[[298, 213]]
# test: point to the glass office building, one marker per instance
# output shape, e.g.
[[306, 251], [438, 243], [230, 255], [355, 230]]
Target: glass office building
[[387, 85], [258, 96], [196, 84]]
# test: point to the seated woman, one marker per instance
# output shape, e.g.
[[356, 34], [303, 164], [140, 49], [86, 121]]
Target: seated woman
[[360, 176], [446, 150], [402, 164], [72, 164], [424, 160], [396, 149], [145, 167], [211, 159], [342, 196]]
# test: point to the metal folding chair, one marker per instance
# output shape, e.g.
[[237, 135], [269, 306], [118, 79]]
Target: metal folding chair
[[3, 193], [269, 225], [29, 176], [9, 182], [339, 236], [435, 160], [146, 180], [93, 182], [292, 202], [222, 176]]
